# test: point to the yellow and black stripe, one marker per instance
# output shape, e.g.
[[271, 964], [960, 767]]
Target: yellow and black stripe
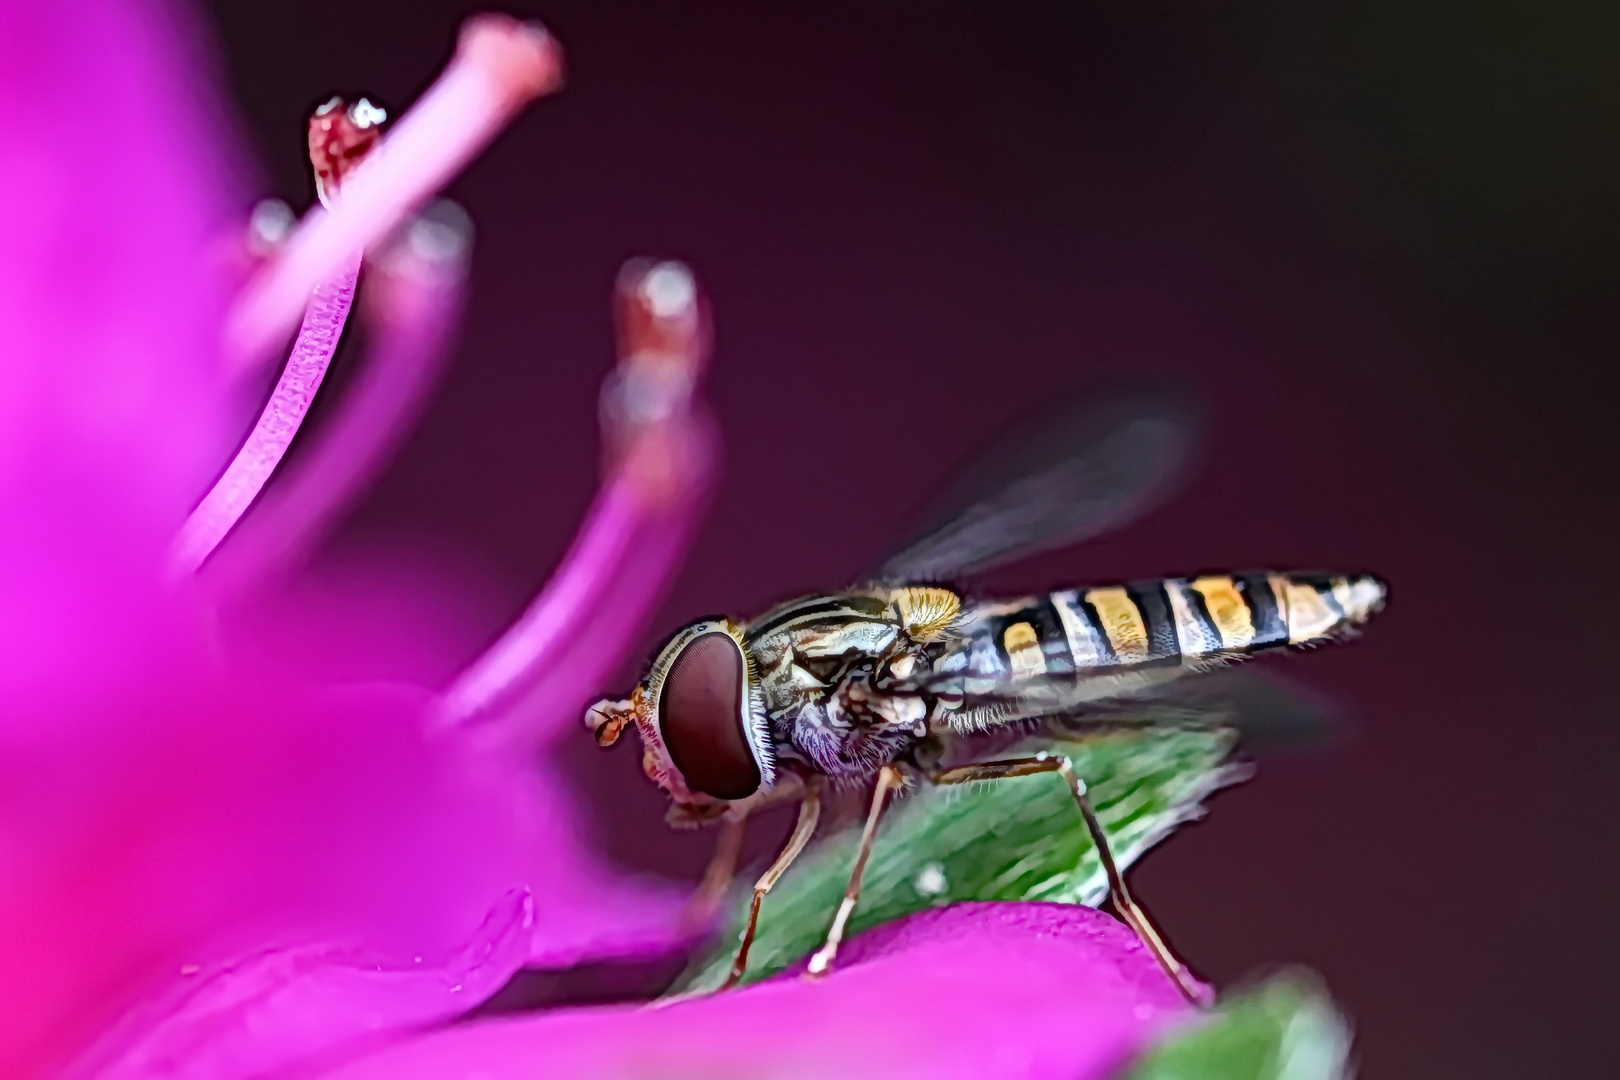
[[1169, 622]]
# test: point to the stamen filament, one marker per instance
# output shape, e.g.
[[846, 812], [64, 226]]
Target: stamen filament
[[661, 454], [267, 443], [500, 65], [340, 139], [412, 302], [552, 695], [532, 642]]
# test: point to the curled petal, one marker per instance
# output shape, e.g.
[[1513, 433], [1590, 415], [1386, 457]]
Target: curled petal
[[585, 911], [979, 990], [500, 65], [662, 456], [283, 1007], [413, 298]]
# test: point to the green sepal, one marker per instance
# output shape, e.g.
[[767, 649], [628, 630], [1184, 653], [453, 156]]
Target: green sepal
[[1286, 1029]]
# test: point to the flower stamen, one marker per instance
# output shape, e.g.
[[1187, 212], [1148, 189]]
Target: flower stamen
[[410, 306], [660, 456], [340, 138], [500, 65]]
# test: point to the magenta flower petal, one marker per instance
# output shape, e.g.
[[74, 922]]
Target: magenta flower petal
[[974, 991], [1120, 965], [281, 1007], [185, 787], [584, 911], [113, 413], [227, 817]]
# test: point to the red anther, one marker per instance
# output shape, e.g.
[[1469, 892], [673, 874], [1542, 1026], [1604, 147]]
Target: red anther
[[340, 137], [661, 320]]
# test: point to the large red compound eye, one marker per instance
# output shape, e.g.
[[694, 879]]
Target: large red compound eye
[[700, 712]]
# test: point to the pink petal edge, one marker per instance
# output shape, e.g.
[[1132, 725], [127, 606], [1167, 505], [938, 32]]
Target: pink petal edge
[[288, 1006], [973, 991]]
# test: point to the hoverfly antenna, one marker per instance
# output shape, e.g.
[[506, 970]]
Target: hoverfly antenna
[[607, 718]]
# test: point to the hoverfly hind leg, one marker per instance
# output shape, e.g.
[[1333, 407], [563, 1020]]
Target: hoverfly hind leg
[[1132, 915]]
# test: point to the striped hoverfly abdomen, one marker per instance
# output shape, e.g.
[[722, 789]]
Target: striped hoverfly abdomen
[[1053, 652]]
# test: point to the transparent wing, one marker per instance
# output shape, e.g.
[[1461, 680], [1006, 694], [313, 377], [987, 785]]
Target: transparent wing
[[1082, 467], [1269, 712]]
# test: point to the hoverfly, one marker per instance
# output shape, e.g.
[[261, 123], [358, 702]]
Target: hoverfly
[[892, 678]]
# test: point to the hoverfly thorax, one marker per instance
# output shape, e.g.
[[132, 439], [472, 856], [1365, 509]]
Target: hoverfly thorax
[[701, 716]]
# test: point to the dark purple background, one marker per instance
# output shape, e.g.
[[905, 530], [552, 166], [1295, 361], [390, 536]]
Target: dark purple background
[[1379, 240]]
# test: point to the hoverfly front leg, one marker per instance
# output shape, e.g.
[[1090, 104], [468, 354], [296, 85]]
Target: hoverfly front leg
[[1133, 916], [888, 779], [809, 812]]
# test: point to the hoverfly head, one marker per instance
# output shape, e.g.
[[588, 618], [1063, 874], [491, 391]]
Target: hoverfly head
[[701, 716]]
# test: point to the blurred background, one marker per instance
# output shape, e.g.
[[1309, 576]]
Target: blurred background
[[1378, 238]]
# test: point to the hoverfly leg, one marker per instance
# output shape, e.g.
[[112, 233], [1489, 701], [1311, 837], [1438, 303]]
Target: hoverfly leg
[[705, 901], [1127, 907], [888, 779], [1133, 916], [809, 812]]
